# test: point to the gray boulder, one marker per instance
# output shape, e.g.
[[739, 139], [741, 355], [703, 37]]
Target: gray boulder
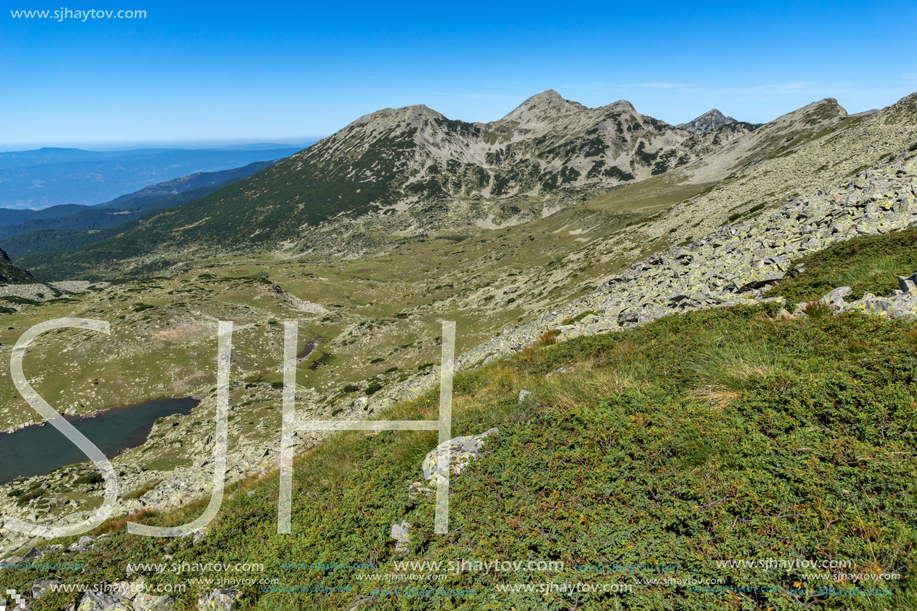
[[401, 534], [148, 602], [40, 587], [100, 601], [835, 298], [219, 600], [461, 451]]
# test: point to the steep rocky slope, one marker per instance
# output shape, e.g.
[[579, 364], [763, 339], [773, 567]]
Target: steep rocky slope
[[10, 274], [731, 266]]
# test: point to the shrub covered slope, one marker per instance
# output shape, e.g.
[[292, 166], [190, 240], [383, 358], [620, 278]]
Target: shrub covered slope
[[714, 436]]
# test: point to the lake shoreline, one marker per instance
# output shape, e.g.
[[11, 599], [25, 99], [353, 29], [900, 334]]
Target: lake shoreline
[[114, 431], [94, 413]]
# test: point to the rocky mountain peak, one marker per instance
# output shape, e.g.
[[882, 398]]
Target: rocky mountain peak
[[409, 116], [712, 119], [542, 106], [545, 98], [622, 105]]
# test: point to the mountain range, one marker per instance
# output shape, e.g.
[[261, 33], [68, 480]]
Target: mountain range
[[409, 172]]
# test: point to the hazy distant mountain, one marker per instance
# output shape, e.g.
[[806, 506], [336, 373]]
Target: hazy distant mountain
[[51, 155], [11, 216], [83, 226], [712, 119], [47, 177], [168, 188]]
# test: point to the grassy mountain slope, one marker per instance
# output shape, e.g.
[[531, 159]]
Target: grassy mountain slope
[[166, 189], [719, 435]]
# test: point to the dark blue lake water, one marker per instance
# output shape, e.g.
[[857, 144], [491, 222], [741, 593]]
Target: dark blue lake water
[[38, 450]]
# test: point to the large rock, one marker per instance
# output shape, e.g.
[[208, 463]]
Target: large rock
[[219, 600], [148, 602], [461, 449], [835, 298], [100, 601], [401, 534], [909, 284], [903, 305], [40, 587]]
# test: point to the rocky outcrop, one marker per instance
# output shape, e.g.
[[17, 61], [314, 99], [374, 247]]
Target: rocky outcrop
[[902, 304], [125, 596], [10, 274], [101, 601], [462, 450], [177, 488]]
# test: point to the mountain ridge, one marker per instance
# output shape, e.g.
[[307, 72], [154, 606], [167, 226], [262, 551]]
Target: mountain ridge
[[407, 172], [393, 159]]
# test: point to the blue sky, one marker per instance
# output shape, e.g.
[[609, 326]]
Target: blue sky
[[262, 72]]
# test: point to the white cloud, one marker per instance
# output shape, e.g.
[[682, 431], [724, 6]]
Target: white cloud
[[909, 76]]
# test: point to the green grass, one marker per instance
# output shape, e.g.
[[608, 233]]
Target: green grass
[[716, 435], [866, 264]]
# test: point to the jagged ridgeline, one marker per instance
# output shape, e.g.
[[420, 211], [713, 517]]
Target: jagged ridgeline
[[394, 160], [411, 171]]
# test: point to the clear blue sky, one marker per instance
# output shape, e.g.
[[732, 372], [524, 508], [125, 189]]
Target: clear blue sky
[[260, 72]]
